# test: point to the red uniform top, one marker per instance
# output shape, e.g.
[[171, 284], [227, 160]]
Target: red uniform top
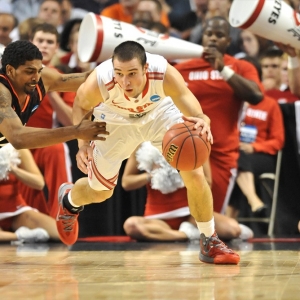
[[217, 99], [266, 116], [285, 96]]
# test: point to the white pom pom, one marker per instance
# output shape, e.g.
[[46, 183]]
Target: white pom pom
[[165, 179], [9, 156]]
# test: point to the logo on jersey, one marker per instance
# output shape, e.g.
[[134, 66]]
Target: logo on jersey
[[102, 116], [35, 108], [154, 98]]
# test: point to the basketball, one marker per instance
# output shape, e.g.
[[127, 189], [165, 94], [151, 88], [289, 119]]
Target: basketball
[[184, 148]]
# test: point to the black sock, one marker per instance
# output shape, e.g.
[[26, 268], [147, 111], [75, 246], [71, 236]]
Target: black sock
[[69, 207]]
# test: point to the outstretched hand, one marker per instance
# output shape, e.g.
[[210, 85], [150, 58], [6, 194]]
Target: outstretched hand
[[89, 130]]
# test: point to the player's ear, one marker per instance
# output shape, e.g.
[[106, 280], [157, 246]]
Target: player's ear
[[146, 68]]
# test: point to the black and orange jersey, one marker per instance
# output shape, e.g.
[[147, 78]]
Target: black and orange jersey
[[33, 101]]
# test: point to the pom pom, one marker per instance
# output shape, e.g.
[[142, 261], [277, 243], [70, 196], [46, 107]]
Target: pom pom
[[163, 178], [9, 156]]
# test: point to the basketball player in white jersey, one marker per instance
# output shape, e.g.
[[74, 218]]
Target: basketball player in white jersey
[[139, 96]]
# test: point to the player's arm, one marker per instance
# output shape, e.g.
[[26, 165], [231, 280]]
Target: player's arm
[[184, 99], [87, 97], [22, 137], [58, 82]]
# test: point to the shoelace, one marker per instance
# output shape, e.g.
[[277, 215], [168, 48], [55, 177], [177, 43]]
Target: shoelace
[[68, 221], [217, 243]]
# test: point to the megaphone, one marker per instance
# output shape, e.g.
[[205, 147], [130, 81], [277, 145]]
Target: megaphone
[[274, 20], [99, 35]]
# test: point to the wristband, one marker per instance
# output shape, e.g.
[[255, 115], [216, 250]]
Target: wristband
[[227, 73], [293, 62]]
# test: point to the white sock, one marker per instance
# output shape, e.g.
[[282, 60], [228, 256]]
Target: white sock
[[208, 228], [70, 200]]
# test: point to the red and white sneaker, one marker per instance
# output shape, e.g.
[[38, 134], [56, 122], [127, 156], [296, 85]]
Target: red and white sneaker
[[66, 222], [213, 250]]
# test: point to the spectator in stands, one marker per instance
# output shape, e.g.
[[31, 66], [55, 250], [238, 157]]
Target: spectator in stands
[[221, 83], [156, 10], [24, 9], [218, 8], [142, 19], [70, 12], [261, 137], [26, 26], [70, 62], [121, 11], [50, 11], [7, 23], [293, 67], [271, 63], [252, 45]]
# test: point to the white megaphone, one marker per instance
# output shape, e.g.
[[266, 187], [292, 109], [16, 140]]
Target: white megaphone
[[274, 20], [98, 36]]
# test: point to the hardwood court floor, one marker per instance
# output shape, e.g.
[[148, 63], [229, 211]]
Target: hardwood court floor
[[123, 270]]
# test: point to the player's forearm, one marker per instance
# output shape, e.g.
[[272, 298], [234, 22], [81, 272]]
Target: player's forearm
[[30, 137]]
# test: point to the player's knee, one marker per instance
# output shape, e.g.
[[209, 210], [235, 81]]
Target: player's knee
[[196, 178]]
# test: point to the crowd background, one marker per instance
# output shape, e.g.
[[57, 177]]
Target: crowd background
[[184, 20]]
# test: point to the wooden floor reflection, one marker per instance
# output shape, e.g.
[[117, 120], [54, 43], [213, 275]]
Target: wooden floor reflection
[[147, 271]]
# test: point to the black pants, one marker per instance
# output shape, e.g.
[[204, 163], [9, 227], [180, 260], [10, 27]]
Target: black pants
[[256, 163]]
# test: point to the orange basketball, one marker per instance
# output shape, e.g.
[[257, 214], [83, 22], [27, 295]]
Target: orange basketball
[[184, 148]]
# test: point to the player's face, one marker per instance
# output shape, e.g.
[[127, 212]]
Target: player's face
[[25, 77], [131, 76], [215, 35]]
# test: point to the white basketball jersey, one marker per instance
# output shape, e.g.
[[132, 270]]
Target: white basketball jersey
[[114, 97]]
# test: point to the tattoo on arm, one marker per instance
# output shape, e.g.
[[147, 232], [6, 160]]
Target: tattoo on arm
[[73, 76], [6, 111]]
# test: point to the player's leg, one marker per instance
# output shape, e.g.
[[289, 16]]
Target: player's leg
[[212, 249], [102, 178]]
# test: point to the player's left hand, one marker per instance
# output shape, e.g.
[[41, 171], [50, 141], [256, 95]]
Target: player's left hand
[[201, 122], [83, 158]]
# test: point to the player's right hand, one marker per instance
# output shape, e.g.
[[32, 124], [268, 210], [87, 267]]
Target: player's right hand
[[89, 130]]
